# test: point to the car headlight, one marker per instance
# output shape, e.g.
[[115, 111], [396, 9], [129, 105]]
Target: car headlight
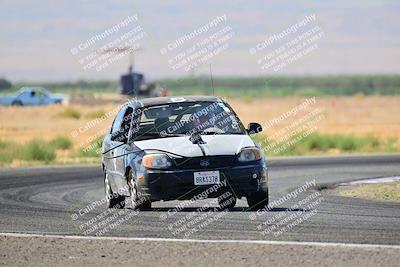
[[157, 161], [249, 154]]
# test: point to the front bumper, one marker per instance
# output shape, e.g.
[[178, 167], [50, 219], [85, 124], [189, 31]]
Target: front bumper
[[179, 184]]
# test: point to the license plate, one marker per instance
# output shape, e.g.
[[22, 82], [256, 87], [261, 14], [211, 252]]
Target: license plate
[[208, 177]]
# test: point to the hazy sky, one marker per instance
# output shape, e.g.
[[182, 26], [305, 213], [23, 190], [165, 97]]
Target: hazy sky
[[36, 37]]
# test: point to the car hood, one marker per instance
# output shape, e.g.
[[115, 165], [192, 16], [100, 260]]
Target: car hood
[[7, 99], [58, 96], [215, 145], [7, 96]]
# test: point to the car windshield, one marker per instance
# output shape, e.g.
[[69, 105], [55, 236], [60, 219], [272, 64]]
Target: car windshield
[[188, 118]]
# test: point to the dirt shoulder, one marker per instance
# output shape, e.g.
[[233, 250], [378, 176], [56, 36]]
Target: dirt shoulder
[[383, 191]]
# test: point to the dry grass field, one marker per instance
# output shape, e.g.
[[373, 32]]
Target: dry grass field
[[22, 124], [376, 116]]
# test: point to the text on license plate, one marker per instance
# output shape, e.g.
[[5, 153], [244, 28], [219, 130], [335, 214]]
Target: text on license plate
[[207, 177]]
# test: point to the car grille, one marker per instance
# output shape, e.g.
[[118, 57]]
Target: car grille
[[198, 162]]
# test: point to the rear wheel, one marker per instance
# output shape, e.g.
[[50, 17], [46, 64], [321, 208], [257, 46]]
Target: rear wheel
[[257, 200], [16, 103], [114, 200], [139, 202]]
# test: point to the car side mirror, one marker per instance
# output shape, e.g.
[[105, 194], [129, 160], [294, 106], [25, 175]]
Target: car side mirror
[[254, 128]]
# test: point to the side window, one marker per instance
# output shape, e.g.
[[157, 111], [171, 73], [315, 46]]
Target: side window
[[126, 122], [121, 125], [24, 95], [136, 117], [117, 121]]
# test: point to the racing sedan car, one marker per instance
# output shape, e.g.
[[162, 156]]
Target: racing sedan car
[[182, 148]]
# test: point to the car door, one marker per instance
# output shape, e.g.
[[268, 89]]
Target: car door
[[43, 98], [27, 98], [109, 147], [117, 149], [34, 98]]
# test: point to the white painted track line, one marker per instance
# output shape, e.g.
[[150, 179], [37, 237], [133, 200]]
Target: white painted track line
[[264, 242]]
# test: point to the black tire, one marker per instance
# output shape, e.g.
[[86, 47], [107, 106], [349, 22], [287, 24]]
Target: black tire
[[139, 202], [257, 200], [227, 202], [17, 103], [114, 200]]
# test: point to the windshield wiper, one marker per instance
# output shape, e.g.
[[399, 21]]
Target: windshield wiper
[[209, 133], [148, 134], [215, 133], [161, 134]]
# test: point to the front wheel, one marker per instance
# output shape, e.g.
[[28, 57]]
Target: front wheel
[[139, 202], [17, 103], [257, 200], [114, 200]]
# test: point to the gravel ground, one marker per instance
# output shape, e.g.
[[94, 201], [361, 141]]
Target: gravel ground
[[54, 251]]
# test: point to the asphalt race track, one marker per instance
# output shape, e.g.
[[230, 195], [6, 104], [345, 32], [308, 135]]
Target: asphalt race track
[[49, 201]]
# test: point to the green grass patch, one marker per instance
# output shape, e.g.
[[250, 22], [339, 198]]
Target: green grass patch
[[8, 151], [69, 113], [38, 150], [61, 142], [34, 150], [326, 144], [93, 150]]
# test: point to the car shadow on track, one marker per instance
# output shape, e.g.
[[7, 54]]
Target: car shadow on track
[[217, 209]]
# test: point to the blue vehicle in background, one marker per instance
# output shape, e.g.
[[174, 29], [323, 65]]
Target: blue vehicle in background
[[31, 96]]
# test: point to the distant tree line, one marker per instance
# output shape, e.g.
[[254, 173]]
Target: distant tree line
[[4, 84], [333, 82], [273, 85], [322, 85], [81, 84]]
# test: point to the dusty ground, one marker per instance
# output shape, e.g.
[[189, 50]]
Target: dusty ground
[[383, 191], [375, 115], [49, 251]]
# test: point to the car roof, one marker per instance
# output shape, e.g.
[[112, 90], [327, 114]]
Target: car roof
[[155, 101], [30, 88]]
